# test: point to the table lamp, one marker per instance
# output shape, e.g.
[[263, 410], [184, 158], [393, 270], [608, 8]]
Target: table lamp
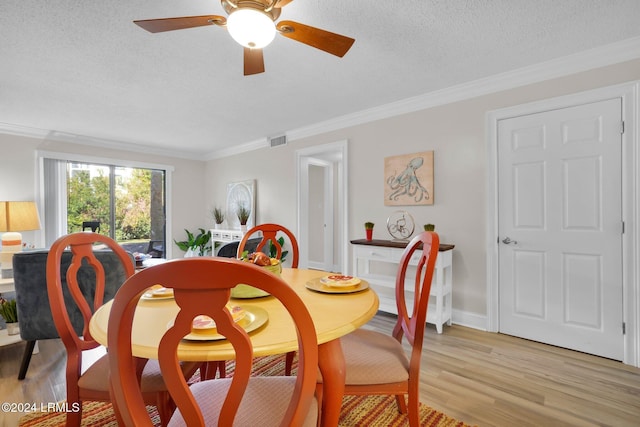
[[15, 217]]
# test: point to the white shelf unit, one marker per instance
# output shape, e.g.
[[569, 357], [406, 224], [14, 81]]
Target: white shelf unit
[[6, 339], [366, 253], [225, 236], [6, 285]]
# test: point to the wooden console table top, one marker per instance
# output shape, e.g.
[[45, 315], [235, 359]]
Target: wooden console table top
[[395, 244]]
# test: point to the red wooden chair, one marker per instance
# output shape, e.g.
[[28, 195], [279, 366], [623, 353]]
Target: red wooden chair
[[375, 363], [250, 401], [270, 233], [86, 284]]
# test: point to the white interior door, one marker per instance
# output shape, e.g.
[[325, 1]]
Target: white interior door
[[560, 227]]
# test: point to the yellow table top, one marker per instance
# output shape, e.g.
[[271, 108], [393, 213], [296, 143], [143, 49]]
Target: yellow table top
[[334, 315]]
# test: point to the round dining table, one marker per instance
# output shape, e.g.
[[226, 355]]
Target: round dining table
[[335, 313]]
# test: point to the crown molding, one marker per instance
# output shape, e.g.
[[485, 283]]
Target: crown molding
[[132, 146], [72, 138], [602, 56], [10, 129], [238, 149]]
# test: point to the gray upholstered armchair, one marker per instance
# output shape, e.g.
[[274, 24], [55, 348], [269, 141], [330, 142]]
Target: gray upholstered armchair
[[30, 278], [230, 250]]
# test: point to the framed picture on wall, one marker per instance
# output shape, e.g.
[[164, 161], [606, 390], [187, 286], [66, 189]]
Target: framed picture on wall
[[408, 179], [241, 195]]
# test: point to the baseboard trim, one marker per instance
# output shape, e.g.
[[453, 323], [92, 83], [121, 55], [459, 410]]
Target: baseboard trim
[[469, 319]]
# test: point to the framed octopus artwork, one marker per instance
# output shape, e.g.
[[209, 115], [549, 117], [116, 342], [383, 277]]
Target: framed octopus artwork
[[408, 179]]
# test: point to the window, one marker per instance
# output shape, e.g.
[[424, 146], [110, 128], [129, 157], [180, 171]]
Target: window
[[127, 203]]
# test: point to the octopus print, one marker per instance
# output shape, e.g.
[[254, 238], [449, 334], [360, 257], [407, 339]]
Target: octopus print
[[404, 180]]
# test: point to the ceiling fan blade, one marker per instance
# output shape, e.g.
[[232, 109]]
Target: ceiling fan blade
[[282, 3], [170, 24], [253, 61], [332, 43]]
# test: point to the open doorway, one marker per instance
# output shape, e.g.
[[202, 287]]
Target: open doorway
[[322, 206]]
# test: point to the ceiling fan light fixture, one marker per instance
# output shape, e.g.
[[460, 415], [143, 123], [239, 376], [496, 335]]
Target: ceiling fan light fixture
[[251, 28]]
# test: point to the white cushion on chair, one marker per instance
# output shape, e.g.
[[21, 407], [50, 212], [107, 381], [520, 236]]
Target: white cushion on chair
[[96, 377], [374, 358], [264, 403]]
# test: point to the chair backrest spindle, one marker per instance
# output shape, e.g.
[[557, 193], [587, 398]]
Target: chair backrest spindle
[[269, 233], [411, 324]]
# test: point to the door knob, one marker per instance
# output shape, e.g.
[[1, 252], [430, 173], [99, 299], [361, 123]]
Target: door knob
[[508, 241]]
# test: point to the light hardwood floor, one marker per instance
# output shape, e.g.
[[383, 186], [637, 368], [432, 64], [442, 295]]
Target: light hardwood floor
[[481, 378], [490, 379]]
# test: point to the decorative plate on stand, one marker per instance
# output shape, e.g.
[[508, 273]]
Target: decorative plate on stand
[[400, 225], [241, 194]]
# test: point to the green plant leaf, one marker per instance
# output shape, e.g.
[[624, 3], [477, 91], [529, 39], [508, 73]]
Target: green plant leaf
[[8, 310], [273, 250], [199, 242]]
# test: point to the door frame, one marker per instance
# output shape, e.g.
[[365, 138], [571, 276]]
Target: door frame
[[628, 92], [337, 153], [327, 214]]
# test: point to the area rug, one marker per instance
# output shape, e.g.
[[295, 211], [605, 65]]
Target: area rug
[[356, 410]]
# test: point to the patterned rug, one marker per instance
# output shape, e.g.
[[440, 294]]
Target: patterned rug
[[356, 410]]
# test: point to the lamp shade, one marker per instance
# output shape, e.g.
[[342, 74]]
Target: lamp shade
[[19, 216]]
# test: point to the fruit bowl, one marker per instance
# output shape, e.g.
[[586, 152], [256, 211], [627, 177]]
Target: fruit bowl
[[246, 291]]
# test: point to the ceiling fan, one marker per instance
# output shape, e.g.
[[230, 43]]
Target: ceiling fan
[[252, 24]]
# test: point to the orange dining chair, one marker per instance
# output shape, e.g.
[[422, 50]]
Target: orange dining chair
[[269, 233], [240, 400], [74, 295], [375, 363]]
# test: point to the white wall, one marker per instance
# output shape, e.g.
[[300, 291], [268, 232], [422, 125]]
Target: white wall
[[18, 175], [456, 132]]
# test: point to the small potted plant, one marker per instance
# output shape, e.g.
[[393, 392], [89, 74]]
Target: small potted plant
[[196, 244], [218, 216], [429, 227], [243, 216], [9, 312], [368, 227]]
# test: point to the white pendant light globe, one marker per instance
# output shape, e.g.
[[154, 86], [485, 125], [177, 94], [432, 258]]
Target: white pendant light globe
[[251, 28]]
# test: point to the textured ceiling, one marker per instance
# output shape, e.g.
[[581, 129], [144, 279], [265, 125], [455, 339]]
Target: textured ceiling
[[82, 68]]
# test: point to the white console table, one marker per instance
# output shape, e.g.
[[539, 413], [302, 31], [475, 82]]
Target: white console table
[[225, 236], [6, 285], [388, 253]]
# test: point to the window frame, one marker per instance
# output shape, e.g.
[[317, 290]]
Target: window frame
[[81, 158]]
